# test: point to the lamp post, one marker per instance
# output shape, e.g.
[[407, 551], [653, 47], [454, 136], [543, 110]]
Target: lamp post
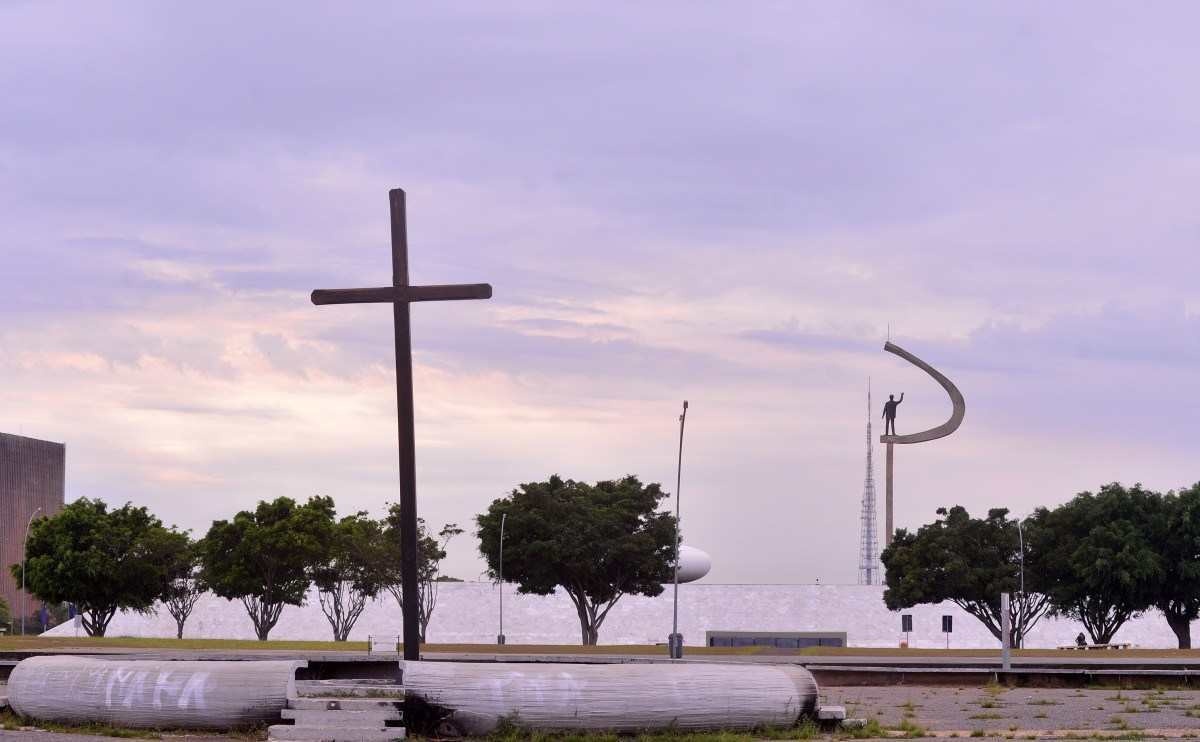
[[1021, 541], [25, 544], [500, 571], [675, 641]]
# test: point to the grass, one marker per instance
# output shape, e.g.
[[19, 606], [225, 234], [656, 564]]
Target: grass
[[985, 716], [871, 730], [910, 728], [1120, 723], [509, 732], [11, 722]]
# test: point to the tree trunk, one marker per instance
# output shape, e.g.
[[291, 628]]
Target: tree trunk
[[587, 631], [179, 628], [95, 620], [1182, 626], [263, 615]]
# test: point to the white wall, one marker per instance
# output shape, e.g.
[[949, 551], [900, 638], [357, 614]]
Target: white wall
[[467, 612]]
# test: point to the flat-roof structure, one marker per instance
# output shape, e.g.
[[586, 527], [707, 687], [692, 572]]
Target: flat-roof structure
[[32, 476]]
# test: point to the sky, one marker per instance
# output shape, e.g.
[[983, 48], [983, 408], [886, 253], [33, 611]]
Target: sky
[[722, 202]]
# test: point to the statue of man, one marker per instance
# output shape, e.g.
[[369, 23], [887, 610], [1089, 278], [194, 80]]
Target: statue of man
[[889, 413]]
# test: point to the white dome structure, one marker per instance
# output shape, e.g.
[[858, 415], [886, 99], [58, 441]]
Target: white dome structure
[[693, 563]]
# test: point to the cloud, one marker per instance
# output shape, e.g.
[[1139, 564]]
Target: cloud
[[723, 204]]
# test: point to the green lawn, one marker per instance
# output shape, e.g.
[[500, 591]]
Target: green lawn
[[28, 643]]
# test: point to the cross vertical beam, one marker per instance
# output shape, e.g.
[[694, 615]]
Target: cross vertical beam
[[400, 295], [402, 320]]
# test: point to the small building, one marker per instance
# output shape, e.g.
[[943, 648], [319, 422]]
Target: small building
[[32, 476]]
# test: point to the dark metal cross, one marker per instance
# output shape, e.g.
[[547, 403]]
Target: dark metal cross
[[400, 294]]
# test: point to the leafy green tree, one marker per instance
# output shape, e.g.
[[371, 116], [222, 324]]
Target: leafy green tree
[[352, 572], [1094, 558], [101, 560], [1175, 533], [967, 561], [265, 557], [596, 542], [430, 553], [184, 586]]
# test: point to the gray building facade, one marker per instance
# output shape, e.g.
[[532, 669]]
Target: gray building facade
[[32, 476]]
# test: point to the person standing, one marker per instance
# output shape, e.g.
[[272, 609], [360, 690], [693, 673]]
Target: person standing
[[889, 413]]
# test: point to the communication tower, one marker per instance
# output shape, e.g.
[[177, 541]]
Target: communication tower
[[870, 571]]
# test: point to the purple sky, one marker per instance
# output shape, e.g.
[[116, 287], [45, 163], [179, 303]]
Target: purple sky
[[727, 203]]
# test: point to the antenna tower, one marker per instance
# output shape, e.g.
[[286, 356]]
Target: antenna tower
[[870, 571]]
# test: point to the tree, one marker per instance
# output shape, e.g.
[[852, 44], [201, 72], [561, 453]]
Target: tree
[[1175, 532], [596, 542], [265, 558], [430, 553], [353, 571], [184, 586], [1094, 559], [967, 561], [100, 560]]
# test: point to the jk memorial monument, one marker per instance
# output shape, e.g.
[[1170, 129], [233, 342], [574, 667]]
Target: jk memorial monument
[[892, 439]]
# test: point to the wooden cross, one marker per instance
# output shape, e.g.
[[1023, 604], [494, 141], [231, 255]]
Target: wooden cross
[[400, 294]]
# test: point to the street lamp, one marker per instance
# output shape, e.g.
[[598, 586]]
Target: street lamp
[[675, 641], [1021, 540], [24, 544], [500, 571], [1021, 604]]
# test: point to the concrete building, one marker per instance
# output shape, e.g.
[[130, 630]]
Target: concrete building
[[32, 476]]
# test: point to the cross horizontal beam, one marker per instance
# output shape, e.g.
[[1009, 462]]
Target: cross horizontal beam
[[394, 294]]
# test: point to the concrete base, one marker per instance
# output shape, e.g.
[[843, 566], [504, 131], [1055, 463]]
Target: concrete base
[[284, 733], [675, 646], [831, 713], [339, 719]]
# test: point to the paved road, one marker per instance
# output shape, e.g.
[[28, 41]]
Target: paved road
[[1021, 712]]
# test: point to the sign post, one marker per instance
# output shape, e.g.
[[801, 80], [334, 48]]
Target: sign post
[[906, 626], [947, 628]]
